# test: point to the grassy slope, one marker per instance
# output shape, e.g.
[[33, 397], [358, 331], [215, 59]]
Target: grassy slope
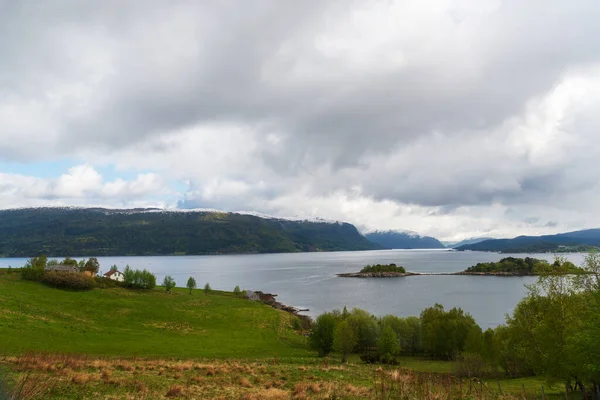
[[122, 322]]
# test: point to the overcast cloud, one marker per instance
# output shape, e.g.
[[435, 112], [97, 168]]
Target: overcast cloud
[[449, 118]]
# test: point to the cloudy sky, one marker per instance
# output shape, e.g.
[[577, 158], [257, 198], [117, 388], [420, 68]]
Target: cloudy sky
[[450, 118]]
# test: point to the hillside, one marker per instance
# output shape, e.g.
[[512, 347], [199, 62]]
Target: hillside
[[466, 241], [102, 232], [570, 241], [403, 240]]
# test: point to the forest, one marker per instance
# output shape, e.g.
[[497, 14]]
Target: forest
[[103, 232]]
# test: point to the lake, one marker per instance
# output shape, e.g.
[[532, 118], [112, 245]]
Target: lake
[[308, 280]]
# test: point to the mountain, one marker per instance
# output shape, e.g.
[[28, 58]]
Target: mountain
[[403, 240], [570, 241], [466, 241], [103, 232]]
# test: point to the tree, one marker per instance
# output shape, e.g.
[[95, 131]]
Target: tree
[[388, 346], [366, 328], [237, 291], [322, 335], [191, 284], [136, 279], [408, 332], [474, 341], [546, 322], [70, 261], [207, 289], [114, 268], [344, 339], [445, 332], [92, 265], [168, 283]]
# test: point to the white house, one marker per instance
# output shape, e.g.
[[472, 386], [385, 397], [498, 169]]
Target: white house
[[115, 275]]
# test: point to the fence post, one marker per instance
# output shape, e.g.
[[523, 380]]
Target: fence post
[[543, 394], [524, 394], [499, 388]]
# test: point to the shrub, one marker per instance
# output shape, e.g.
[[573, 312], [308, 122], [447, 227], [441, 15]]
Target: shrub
[[136, 279], [470, 365], [68, 280], [237, 291], [297, 324], [370, 358], [34, 268], [207, 289]]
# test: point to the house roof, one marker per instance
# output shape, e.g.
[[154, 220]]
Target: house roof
[[111, 272], [61, 267]]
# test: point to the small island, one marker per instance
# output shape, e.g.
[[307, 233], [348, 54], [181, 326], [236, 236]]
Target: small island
[[379, 271], [511, 266]]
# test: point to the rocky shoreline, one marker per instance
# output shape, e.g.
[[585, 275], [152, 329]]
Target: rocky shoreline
[[498, 273], [269, 299]]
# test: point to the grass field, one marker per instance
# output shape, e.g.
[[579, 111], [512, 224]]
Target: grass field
[[120, 322], [116, 343]]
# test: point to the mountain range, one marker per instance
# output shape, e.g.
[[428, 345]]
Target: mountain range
[[107, 232], [103, 232], [454, 245], [571, 241], [403, 240]]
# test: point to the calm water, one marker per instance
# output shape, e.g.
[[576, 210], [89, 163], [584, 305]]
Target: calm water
[[308, 280]]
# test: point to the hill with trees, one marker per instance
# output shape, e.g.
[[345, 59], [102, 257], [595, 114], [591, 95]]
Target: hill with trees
[[104, 232], [403, 240], [577, 241]]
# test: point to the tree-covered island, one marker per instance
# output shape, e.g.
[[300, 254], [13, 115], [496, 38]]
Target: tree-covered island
[[379, 271], [511, 266]]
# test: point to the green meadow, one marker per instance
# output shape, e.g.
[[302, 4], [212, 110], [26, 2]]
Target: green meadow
[[115, 343], [121, 322]]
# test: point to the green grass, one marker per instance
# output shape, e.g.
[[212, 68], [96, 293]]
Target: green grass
[[121, 322], [152, 330]]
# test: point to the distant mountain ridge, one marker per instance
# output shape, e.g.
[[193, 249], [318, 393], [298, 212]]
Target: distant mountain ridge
[[466, 241], [544, 243], [70, 231], [403, 240]]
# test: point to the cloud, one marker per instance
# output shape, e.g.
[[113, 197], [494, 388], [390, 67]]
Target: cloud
[[81, 185], [448, 118]]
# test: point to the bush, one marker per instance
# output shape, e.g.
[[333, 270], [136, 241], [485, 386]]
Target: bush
[[34, 268], [471, 365], [68, 280], [370, 358], [104, 282], [136, 279], [237, 291], [297, 324]]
